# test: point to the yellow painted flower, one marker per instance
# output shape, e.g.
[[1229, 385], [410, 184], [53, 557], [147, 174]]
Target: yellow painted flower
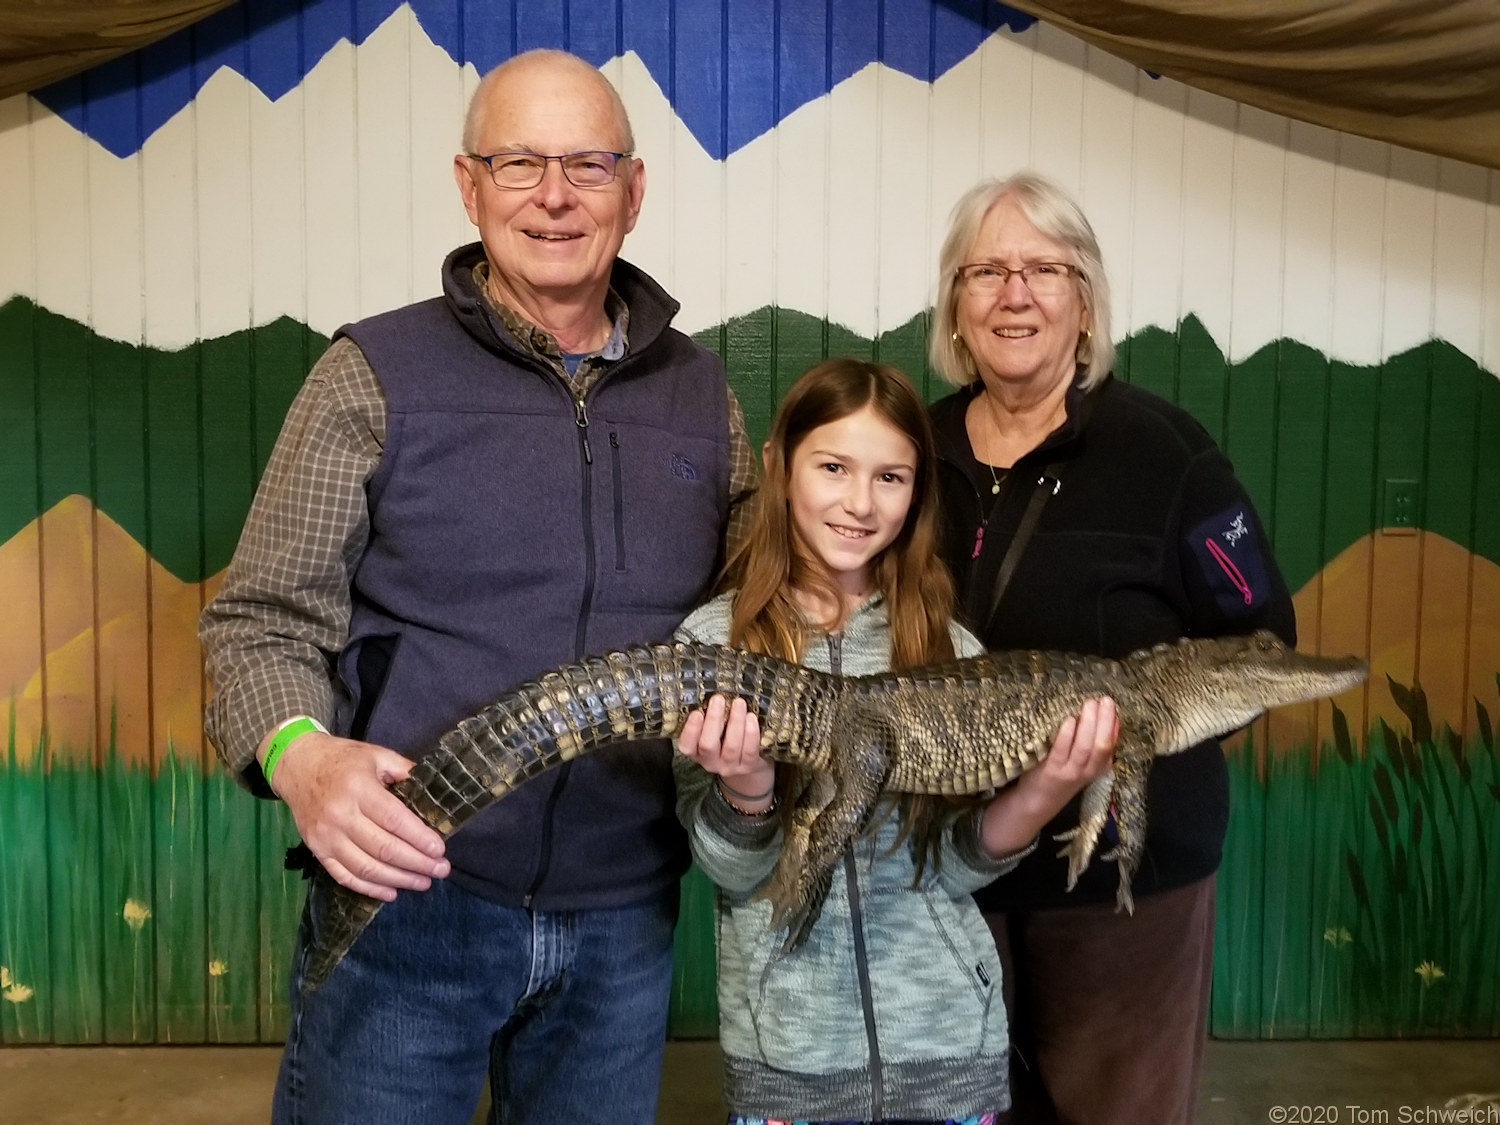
[[1429, 973], [17, 993], [136, 913], [217, 968], [1337, 936], [4, 977]]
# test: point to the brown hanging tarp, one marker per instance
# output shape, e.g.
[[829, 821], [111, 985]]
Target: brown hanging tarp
[[44, 40], [1420, 73]]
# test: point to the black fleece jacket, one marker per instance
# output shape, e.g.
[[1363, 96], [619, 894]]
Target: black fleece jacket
[[1148, 537]]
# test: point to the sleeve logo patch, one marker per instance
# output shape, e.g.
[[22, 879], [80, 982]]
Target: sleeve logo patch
[[1236, 529], [1228, 552]]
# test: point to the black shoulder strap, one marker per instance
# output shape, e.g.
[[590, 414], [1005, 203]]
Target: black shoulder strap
[[1047, 485]]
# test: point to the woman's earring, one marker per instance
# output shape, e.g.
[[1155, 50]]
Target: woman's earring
[[966, 356]]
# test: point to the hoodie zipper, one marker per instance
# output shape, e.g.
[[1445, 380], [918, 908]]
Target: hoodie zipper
[[857, 927]]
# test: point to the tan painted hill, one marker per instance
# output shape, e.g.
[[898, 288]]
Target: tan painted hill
[[1422, 610], [119, 634]]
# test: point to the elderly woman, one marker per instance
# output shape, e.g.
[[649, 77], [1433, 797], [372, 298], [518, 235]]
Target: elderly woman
[[1085, 514]]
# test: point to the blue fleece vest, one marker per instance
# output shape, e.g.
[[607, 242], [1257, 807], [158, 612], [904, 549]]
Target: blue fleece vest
[[511, 531]]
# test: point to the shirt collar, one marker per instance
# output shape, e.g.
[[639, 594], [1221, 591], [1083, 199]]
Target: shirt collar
[[541, 343]]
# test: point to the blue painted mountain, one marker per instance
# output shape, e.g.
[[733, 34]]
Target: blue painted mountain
[[732, 71]]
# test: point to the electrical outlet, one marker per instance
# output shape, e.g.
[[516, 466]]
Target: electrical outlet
[[1401, 503]]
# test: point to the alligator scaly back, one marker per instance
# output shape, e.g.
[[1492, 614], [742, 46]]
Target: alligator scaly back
[[962, 727]]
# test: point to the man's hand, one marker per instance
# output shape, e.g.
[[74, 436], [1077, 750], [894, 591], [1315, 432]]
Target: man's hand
[[725, 741], [1082, 750], [362, 834]]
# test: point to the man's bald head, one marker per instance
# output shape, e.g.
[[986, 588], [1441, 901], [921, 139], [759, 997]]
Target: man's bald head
[[495, 84]]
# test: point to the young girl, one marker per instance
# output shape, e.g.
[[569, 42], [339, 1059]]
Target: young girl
[[891, 1009]]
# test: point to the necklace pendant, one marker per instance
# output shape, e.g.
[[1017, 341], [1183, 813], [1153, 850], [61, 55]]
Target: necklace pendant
[[995, 489]]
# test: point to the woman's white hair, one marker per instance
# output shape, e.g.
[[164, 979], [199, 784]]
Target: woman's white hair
[[1052, 211]]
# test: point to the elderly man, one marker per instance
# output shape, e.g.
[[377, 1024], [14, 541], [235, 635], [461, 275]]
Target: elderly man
[[467, 491]]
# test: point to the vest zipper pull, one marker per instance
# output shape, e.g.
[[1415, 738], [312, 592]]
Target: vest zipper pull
[[978, 541], [582, 419]]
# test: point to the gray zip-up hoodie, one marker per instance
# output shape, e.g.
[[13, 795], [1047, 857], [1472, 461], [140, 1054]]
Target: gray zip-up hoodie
[[892, 1007]]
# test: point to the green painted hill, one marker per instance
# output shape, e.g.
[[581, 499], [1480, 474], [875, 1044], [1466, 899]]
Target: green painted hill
[[170, 443]]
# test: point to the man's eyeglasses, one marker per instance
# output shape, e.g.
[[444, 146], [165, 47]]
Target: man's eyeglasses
[[526, 169], [1045, 279]]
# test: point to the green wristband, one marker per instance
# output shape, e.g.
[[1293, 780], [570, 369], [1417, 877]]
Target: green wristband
[[285, 734]]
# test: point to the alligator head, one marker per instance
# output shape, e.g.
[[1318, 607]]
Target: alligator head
[[1212, 686]]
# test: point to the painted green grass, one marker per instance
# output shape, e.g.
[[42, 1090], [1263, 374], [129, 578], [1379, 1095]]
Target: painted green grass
[[1362, 898], [140, 909], [694, 1013], [25, 968], [136, 909]]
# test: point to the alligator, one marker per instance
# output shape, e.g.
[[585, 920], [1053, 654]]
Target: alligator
[[961, 727]]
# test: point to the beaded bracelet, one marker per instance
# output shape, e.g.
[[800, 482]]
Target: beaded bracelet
[[719, 788], [733, 792]]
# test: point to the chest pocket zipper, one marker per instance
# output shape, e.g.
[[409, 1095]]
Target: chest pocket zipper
[[619, 498]]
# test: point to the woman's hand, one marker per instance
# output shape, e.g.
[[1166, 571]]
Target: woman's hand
[[724, 738], [1081, 751]]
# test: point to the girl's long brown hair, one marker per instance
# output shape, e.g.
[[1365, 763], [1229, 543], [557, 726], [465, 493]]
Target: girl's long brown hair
[[771, 562]]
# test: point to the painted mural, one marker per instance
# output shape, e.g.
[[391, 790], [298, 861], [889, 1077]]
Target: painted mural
[[183, 228]]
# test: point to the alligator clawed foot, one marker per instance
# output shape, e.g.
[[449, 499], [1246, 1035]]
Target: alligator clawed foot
[[781, 892], [1079, 844], [804, 909], [798, 926], [1124, 900], [1077, 850]]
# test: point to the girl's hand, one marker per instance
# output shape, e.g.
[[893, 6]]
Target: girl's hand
[[725, 740], [1081, 751]]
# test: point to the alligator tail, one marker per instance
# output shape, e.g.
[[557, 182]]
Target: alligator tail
[[623, 696]]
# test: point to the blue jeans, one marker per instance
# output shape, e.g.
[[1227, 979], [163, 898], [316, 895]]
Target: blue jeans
[[566, 1012]]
